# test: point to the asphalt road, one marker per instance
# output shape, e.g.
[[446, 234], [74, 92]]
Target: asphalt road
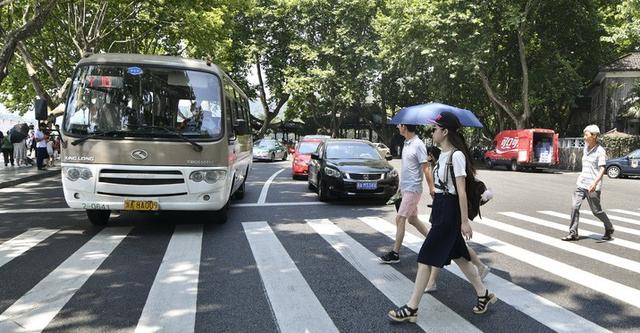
[[285, 263]]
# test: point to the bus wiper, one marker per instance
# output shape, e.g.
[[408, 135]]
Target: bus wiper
[[196, 146], [93, 135]]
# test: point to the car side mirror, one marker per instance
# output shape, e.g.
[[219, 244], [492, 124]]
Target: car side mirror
[[388, 157], [315, 156]]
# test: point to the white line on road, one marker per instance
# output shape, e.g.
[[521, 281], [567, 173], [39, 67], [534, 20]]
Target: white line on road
[[23, 242], [537, 307], [616, 241], [171, 304], [265, 188], [614, 217], [433, 316], [604, 257], [591, 222], [40, 210], [35, 309], [610, 288], [296, 307], [270, 204], [628, 212]]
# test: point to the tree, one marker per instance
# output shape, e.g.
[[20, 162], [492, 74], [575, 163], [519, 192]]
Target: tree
[[33, 17]]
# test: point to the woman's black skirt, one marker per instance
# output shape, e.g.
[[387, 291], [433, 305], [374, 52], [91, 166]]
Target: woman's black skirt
[[444, 241]]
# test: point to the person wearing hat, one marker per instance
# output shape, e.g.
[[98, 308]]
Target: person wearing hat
[[449, 221], [589, 184]]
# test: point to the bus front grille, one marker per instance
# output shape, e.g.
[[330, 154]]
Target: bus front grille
[[141, 177]]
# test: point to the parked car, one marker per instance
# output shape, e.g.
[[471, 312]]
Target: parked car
[[383, 149], [524, 149], [624, 166], [269, 149], [302, 155], [351, 168]]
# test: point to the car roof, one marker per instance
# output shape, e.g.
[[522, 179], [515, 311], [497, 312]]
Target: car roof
[[348, 141]]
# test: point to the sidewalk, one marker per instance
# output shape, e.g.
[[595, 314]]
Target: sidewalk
[[12, 176]]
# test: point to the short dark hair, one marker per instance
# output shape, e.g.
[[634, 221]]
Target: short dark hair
[[410, 128]]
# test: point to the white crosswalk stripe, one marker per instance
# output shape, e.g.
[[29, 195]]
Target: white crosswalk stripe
[[624, 211], [294, 304], [544, 311], [34, 311], [22, 243], [591, 222], [171, 304], [614, 217], [614, 289], [433, 316], [616, 241], [604, 257]]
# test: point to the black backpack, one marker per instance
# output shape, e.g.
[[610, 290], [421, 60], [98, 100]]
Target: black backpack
[[474, 188]]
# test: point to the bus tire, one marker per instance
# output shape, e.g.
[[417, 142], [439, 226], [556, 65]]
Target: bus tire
[[239, 195], [489, 163], [98, 217], [220, 216]]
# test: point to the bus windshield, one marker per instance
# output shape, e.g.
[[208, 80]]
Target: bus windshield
[[144, 101]]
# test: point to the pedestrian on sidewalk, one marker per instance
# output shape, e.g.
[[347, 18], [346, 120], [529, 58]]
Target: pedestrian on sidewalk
[[7, 149], [589, 184], [449, 222], [483, 270], [413, 166], [20, 152], [41, 146]]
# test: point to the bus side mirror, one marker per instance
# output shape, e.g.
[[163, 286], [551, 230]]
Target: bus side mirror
[[240, 125], [40, 109]]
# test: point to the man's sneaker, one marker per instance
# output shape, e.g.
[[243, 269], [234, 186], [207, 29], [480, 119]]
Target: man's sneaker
[[484, 271], [390, 258], [607, 235]]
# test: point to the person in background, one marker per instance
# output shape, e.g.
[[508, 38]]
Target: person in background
[[41, 146], [20, 152], [589, 184], [7, 149]]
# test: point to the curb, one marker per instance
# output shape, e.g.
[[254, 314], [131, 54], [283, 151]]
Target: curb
[[30, 178]]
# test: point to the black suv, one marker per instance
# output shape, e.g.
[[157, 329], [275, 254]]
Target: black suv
[[351, 168]]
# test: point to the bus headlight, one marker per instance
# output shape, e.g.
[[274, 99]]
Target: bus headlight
[[209, 176], [75, 173], [214, 176], [197, 176]]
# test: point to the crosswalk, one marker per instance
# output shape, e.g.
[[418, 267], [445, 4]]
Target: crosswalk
[[577, 284]]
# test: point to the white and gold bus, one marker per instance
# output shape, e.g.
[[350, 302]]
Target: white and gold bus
[[149, 133]]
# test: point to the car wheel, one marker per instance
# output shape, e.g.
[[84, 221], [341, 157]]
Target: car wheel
[[514, 165], [613, 171], [273, 157], [323, 191], [284, 157], [239, 195], [98, 217], [489, 163]]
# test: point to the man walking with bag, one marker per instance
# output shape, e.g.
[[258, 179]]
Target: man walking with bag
[[589, 184], [414, 165]]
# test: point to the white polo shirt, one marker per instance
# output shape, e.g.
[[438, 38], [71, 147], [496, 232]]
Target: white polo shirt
[[592, 160]]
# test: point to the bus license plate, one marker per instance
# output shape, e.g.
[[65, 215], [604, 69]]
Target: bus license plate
[[367, 186], [140, 205]]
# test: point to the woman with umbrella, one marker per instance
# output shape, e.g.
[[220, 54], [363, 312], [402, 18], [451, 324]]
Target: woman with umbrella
[[445, 240]]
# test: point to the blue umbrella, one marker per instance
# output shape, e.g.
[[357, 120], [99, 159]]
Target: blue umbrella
[[424, 114]]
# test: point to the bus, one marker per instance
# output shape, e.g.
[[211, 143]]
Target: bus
[[154, 133]]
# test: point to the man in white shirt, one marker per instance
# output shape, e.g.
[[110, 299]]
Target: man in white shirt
[[41, 146], [589, 184]]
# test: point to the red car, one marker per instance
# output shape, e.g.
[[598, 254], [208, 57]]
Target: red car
[[302, 155]]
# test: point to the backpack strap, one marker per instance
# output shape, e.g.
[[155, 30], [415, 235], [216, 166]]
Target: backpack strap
[[450, 171]]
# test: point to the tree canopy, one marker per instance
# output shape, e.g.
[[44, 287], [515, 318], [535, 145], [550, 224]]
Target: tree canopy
[[515, 63]]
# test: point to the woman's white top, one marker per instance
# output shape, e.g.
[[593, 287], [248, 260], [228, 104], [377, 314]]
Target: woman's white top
[[459, 169]]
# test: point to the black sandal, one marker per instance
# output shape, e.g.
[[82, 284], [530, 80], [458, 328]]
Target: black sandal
[[483, 302], [403, 313]]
